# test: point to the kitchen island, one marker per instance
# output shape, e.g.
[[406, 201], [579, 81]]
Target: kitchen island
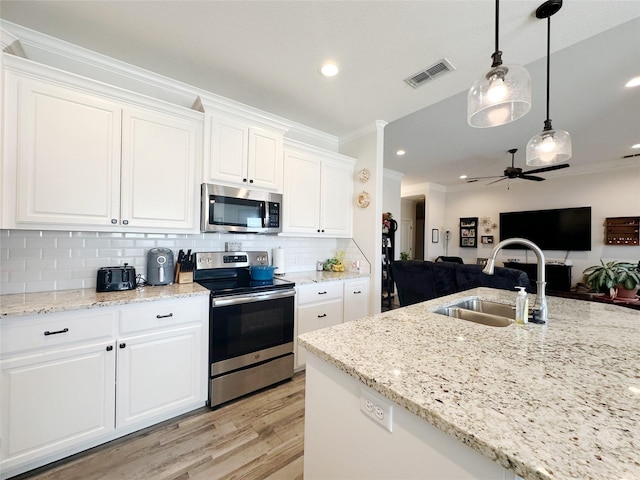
[[553, 401]]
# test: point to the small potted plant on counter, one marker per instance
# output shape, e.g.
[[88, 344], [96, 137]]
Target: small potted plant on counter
[[619, 279]]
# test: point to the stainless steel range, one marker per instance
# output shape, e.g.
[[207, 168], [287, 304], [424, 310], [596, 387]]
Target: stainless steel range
[[250, 324]]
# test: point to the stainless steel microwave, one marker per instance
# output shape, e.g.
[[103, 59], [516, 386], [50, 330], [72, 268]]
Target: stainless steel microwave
[[228, 209]]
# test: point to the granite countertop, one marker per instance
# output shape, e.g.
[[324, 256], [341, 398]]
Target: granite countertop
[[553, 401], [15, 305], [301, 278]]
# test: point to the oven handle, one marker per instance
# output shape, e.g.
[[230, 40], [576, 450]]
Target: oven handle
[[250, 298]]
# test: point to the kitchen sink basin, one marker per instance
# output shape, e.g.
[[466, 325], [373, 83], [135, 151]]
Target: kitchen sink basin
[[481, 311], [486, 306]]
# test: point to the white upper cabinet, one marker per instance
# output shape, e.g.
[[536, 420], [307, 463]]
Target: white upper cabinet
[[243, 155], [67, 154], [318, 192], [159, 155], [75, 156], [242, 151]]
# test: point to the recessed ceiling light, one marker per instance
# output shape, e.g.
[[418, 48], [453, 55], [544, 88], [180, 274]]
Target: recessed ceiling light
[[400, 153], [634, 82], [463, 177], [637, 145], [329, 70]]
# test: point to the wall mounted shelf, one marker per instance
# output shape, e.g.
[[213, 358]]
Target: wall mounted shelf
[[622, 231]]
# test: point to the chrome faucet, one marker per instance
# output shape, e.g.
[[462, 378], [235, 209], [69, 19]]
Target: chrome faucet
[[540, 304]]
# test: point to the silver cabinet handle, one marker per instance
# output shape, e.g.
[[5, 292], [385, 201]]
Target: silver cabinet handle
[[114, 221], [125, 222], [169, 315]]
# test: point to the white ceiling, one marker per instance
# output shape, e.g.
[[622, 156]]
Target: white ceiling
[[267, 54]]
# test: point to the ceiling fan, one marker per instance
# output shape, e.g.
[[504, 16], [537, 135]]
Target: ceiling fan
[[516, 172]]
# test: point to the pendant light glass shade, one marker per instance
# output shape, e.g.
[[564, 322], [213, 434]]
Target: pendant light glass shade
[[498, 97], [549, 147]]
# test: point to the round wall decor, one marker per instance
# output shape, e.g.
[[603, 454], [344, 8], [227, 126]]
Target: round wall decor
[[364, 175], [363, 200]]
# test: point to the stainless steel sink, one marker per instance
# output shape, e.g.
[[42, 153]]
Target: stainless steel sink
[[481, 311], [485, 306]]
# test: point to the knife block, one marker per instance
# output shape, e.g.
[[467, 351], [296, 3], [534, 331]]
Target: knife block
[[185, 277]]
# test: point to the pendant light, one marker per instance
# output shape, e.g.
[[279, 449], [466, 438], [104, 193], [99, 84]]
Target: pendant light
[[551, 146], [500, 96]]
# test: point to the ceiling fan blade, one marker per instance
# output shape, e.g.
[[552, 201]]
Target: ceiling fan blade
[[546, 169], [496, 181], [531, 177], [475, 179]]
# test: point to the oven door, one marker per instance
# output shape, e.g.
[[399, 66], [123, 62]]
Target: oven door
[[248, 329]]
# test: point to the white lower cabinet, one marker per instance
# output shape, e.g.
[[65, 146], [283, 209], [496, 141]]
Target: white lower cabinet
[[70, 381], [356, 299], [318, 305], [56, 399], [157, 372]]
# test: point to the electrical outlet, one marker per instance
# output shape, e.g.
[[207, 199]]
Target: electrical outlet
[[376, 408], [232, 246]]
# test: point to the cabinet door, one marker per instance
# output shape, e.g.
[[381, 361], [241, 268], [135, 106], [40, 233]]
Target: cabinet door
[[54, 400], [228, 153], [336, 209], [265, 159], [67, 155], [356, 299], [159, 155], [159, 373], [301, 199], [315, 317]]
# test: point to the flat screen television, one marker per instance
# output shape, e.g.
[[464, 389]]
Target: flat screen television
[[558, 229]]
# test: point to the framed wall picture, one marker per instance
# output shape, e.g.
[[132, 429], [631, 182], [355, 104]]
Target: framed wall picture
[[435, 235], [469, 232], [487, 239]]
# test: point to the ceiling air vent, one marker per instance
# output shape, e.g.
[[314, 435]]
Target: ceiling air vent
[[429, 73]]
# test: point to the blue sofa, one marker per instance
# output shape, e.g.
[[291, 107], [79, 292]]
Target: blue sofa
[[417, 281]]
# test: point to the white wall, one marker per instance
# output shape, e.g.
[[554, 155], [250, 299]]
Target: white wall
[[367, 229], [434, 215], [614, 193]]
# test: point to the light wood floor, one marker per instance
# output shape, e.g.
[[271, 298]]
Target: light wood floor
[[257, 437]]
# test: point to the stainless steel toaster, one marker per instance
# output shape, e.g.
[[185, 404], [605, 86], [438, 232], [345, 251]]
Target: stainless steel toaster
[[111, 279]]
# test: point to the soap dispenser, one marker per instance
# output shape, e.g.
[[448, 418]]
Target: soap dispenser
[[522, 307]]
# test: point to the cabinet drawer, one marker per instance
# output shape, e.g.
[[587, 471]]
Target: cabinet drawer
[[56, 329], [319, 292], [356, 288], [315, 317], [158, 315]]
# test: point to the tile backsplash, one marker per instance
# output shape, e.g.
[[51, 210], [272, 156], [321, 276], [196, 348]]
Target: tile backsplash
[[38, 260]]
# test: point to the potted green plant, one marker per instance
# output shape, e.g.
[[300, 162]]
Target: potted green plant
[[619, 279]]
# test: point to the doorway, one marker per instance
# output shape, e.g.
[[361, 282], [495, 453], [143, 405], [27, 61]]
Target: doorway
[[412, 226]]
